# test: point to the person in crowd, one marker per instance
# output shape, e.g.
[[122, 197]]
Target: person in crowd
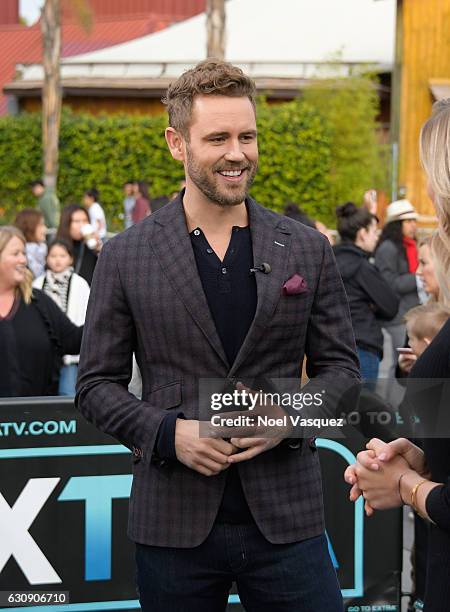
[[96, 213], [76, 230], [34, 332], [142, 206], [426, 273], [128, 202], [370, 201], [389, 475], [396, 257], [202, 305], [371, 299], [406, 361], [71, 293], [423, 323], [181, 186], [31, 223], [47, 201], [323, 229], [159, 202], [293, 211]]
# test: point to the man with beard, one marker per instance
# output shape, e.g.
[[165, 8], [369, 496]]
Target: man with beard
[[227, 290]]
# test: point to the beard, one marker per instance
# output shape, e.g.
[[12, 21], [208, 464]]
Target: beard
[[208, 182]]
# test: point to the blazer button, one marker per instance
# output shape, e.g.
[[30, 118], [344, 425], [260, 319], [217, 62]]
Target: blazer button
[[295, 445]]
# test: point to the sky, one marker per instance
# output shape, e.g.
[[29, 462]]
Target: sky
[[30, 9]]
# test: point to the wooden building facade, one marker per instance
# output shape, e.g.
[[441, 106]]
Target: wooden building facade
[[421, 76]]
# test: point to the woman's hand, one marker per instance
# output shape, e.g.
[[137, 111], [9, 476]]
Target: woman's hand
[[406, 362], [99, 243], [385, 452], [378, 454], [351, 477], [380, 486]]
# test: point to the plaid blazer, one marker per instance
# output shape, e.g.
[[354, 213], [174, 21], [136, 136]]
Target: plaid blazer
[[147, 298]]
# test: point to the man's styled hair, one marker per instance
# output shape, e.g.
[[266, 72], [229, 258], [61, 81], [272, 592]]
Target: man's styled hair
[[426, 321], [210, 77]]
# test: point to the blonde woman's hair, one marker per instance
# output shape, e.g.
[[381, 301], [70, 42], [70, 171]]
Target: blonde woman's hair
[[8, 232], [435, 157], [425, 241]]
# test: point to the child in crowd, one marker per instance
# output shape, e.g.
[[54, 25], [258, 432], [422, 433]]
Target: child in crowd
[[96, 213], [71, 292], [423, 323], [31, 222]]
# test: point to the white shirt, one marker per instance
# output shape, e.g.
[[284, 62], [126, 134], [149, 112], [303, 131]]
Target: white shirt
[[97, 219]]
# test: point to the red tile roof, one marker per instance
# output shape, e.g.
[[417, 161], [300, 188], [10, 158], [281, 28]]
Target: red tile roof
[[17, 44], [22, 45], [108, 32]]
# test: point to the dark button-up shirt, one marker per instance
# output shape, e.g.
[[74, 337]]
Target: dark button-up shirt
[[230, 290]]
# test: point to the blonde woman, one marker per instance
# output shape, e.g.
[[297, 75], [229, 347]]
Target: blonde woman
[[389, 475], [34, 332]]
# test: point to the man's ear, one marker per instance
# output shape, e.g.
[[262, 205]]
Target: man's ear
[[175, 143]]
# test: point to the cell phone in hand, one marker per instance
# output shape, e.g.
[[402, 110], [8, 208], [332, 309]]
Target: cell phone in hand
[[404, 350]]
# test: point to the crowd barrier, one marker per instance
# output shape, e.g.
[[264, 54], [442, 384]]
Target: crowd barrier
[[64, 489]]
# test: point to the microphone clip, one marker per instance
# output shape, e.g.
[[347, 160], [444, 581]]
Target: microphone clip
[[265, 268]]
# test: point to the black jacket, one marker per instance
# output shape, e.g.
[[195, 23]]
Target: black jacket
[[33, 339], [393, 266], [85, 260], [369, 295]]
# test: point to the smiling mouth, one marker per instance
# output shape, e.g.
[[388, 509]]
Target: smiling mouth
[[232, 175]]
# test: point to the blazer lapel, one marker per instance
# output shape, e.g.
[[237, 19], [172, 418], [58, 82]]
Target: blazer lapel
[[172, 246], [271, 239]]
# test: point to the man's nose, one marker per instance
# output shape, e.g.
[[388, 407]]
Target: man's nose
[[235, 152]]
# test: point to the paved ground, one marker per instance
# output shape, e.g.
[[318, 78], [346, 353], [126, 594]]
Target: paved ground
[[408, 533]]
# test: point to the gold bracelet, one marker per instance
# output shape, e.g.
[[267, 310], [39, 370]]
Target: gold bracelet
[[400, 485], [413, 496]]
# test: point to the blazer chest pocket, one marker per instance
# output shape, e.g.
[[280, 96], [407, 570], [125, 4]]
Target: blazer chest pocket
[[166, 397]]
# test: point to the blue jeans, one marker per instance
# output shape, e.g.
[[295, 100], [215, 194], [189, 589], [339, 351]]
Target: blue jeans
[[370, 364], [67, 379], [297, 577]]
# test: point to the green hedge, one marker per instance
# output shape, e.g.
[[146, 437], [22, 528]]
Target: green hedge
[[297, 159], [350, 107]]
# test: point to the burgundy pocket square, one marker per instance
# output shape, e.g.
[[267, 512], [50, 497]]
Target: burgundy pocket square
[[295, 285]]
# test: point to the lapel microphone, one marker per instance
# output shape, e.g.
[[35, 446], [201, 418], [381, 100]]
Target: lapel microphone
[[265, 268]]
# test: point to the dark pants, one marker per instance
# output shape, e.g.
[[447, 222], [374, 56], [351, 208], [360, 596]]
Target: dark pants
[[295, 577]]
